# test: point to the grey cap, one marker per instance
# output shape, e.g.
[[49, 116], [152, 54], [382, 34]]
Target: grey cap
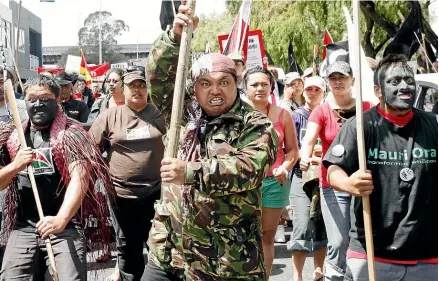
[[133, 75], [339, 67]]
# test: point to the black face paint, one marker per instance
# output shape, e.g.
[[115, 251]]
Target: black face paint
[[398, 87], [41, 112]]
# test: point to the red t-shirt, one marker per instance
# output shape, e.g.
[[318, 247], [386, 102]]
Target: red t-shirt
[[329, 128]]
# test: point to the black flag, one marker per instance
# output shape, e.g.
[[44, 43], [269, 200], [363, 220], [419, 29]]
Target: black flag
[[167, 13], [405, 41], [294, 67]]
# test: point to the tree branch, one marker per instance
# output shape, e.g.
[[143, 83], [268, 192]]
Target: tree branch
[[368, 47], [368, 8]]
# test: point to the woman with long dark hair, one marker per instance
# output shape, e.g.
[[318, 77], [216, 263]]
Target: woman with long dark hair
[[259, 83]]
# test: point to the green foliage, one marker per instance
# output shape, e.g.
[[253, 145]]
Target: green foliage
[[110, 28], [303, 22], [208, 30]]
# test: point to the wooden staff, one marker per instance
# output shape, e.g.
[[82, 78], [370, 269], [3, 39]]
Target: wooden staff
[[16, 117], [423, 48], [179, 90], [314, 61], [360, 139]]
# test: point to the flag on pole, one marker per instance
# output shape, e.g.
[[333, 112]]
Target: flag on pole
[[367, 85], [327, 39], [292, 62], [337, 51], [83, 70], [238, 37]]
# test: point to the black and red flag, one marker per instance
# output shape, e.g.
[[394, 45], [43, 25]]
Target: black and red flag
[[327, 39]]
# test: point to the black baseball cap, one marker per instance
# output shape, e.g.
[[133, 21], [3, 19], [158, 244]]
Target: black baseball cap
[[63, 78]]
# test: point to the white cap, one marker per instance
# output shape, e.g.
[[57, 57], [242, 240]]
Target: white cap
[[315, 81]]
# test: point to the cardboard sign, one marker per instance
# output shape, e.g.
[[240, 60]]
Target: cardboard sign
[[255, 48], [73, 64]]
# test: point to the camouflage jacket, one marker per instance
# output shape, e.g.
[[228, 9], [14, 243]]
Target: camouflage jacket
[[218, 236], [161, 70]]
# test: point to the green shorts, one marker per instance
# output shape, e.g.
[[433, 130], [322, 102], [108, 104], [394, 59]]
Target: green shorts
[[275, 195]]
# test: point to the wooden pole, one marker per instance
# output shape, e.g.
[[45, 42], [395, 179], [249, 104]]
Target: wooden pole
[[179, 90], [314, 61], [16, 117], [360, 139], [18, 32], [423, 48]]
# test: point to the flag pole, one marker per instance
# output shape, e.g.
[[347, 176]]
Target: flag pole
[[360, 138], [424, 51], [179, 90], [237, 47], [241, 45], [314, 61]]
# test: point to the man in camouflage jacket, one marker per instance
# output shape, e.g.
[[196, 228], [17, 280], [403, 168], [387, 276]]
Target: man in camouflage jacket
[[207, 225]]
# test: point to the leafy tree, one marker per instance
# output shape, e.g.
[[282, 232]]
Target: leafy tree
[[209, 28], [303, 22], [110, 29]]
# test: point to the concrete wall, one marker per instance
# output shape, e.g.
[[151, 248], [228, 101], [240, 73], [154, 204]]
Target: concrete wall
[[32, 27]]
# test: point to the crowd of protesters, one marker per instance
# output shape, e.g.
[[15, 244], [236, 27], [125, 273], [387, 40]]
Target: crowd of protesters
[[254, 147]]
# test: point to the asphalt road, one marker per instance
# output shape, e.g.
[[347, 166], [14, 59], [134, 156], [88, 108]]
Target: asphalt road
[[282, 265]]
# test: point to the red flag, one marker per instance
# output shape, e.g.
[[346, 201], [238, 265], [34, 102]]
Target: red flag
[[83, 71], [238, 37], [327, 39], [99, 70]]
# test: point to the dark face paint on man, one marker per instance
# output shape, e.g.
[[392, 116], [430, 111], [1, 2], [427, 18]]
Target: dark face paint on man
[[398, 88], [41, 111], [41, 105]]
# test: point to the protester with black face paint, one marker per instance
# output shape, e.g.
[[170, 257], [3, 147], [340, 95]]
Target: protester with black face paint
[[401, 145], [65, 166], [74, 109]]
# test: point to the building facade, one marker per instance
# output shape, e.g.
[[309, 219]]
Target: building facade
[[51, 55], [28, 53]]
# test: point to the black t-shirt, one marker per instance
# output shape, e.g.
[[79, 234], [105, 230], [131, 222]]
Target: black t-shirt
[[50, 187], [76, 109], [404, 202]]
